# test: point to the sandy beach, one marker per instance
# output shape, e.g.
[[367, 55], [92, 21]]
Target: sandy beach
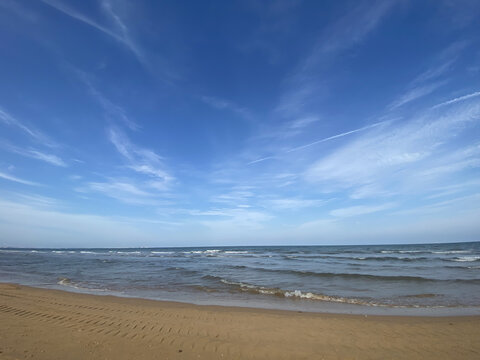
[[51, 324]]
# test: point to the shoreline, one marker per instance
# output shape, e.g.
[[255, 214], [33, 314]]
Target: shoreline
[[289, 305], [55, 324]]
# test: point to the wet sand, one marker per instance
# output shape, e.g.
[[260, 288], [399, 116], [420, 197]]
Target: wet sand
[[51, 324]]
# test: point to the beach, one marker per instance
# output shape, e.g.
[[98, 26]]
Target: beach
[[54, 324]]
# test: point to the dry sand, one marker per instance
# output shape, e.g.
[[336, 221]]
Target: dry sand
[[50, 324]]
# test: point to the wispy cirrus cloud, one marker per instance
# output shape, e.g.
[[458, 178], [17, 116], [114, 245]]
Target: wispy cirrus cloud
[[36, 200], [301, 147], [428, 81], [139, 159], [113, 111], [118, 32], [123, 190], [35, 134], [228, 218], [399, 153], [457, 99], [222, 104], [17, 180], [237, 195], [416, 93], [49, 158], [292, 203], [345, 33], [360, 210], [34, 154]]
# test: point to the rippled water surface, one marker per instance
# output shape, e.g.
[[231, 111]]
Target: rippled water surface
[[305, 278]]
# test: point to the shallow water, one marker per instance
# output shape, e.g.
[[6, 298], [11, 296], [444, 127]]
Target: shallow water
[[310, 278]]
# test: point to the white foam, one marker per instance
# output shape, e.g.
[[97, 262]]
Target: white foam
[[202, 252], [466, 258], [451, 252]]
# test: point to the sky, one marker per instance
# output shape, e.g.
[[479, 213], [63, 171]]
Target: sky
[[208, 123]]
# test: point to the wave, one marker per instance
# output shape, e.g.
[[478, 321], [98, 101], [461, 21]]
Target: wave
[[67, 282], [64, 281], [354, 276], [359, 258], [307, 295], [465, 259], [210, 251], [404, 251], [452, 252], [390, 258], [437, 252]]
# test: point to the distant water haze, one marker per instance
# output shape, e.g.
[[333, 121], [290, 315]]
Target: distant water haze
[[312, 278]]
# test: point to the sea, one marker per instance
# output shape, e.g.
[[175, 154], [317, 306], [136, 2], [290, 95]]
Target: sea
[[422, 279]]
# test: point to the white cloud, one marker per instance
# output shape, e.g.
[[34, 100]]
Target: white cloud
[[360, 210], [238, 194], [292, 203], [34, 154], [16, 179], [49, 158], [340, 135], [416, 93], [461, 98], [236, 218], [113, 111], [222, 104], [120, 33], [442, 62], [301, 147], [139, 159], [345, 33], [370, 190], [426, 83], [122, 190], [31, 225], [8, 119], [35, 200], [375, 157]]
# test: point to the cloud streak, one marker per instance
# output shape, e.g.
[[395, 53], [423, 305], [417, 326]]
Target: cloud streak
[[360, 210], [461, 98], [35, 154], [415, 94], [394, 156], [324, 140], [345, 33], [426, 83], [141, 160], [17, 180], [113, 111], [9, 120], [122, 190], [121, 34]]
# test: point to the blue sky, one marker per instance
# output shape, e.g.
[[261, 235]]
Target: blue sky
[[168, 123]]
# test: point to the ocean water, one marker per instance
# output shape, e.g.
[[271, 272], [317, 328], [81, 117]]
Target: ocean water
[[393, 279]]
